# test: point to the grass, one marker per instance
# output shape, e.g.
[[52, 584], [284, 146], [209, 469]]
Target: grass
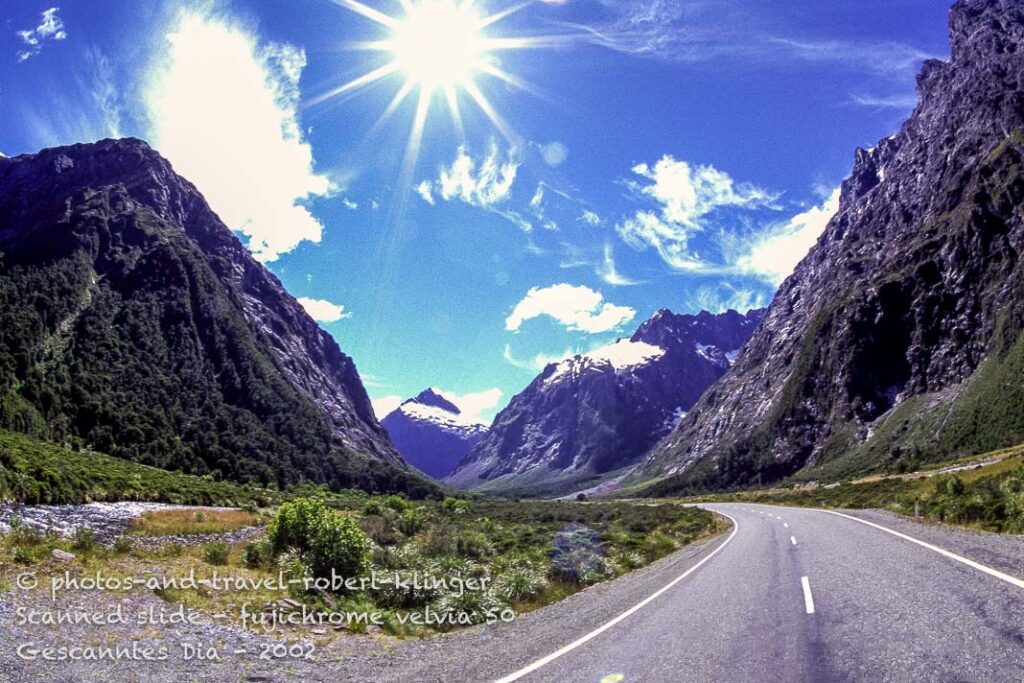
[[532, 554], [192, 522], [988, 494]]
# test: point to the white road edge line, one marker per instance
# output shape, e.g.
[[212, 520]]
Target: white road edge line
[[808, 598], [942, 551], [792, 539], [607, 625], [785, 525]]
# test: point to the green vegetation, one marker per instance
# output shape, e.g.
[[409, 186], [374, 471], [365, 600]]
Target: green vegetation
[[988, 495], [191, 522]]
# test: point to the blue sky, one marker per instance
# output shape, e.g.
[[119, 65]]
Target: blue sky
[[635, 155]]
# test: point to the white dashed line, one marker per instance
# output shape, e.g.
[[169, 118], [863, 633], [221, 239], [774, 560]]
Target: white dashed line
[[785, 525], [792, 539], [808, 599]]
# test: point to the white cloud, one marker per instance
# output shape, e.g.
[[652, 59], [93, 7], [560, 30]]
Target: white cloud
[[349, 204], [905, 101], [385, 405], [725, 296], [607, 271], [224, 110], [590, 218], [538, 196], [426, 190], [324, 311], [684, 197], [480, 183], [536, 363], [774, 255], [50, 28], [578, 308], [477, 406]]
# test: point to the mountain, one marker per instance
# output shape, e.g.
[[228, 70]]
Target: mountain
[[899, 337], [431, 433], [132, 320], [601, 411]]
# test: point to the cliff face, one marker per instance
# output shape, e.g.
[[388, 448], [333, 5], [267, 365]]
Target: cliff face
[[601, 411], [133, 319], [899, 335], [431, 433]]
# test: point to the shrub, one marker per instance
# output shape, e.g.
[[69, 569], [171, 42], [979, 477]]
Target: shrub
[[520, 584], [456, 506], [412, 521], [325, 541], [256, 554], [23, 555], [123, 545], [84, 540], [396, 502], [216, 553]]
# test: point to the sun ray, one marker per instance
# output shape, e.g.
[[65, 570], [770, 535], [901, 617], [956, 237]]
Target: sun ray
[[369, 13], [441, 47], [364, 80]]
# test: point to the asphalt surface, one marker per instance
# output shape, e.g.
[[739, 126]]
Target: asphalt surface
[[884, 609]]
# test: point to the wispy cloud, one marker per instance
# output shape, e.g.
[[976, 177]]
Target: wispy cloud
[[324, 311], [478, 405], [223, 109], [577, 308], [537, 362], [904, 102], [683, 198], [50, 28], [725, 296], [710, 32], [607, 271], [485, 183], [774, 253]]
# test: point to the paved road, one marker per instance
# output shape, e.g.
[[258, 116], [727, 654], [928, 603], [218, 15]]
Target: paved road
[[884, 609]]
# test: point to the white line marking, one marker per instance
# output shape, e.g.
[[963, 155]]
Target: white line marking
[[607, 625], [785, 525], [792, 539], [942, 551], [808, 599]]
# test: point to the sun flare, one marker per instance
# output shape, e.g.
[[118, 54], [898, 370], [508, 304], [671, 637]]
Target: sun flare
[[438, 48]]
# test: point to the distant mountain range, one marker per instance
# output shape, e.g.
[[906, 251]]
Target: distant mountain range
[[132, 320], [431, 433], [596, 413], [900, 337]]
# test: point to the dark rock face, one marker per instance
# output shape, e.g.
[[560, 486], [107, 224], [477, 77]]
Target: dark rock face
[[431, 433], [604, 410], [133, 319], [899, 335]]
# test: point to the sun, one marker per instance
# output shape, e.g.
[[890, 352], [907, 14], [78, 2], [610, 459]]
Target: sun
[[438, 44], [438, 50]]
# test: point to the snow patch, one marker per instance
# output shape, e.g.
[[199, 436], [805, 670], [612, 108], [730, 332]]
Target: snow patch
[[625, 354]]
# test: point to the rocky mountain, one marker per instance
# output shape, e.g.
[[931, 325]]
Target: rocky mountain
[[899, 336], [132, 320], [431, 433], [601, 411]]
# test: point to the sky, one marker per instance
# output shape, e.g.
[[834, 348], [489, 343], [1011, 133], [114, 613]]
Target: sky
[[460, 195]]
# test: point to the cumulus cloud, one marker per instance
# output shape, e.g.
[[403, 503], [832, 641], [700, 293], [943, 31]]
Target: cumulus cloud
[[349, 204], [426, 191], [224, 109], [385, 405], [684, 196], [578, 308], [324, 311], [477, 406], [50, 28], [774, 254], [537, 362]]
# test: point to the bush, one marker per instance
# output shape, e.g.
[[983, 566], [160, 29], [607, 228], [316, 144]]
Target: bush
[[84, 540], [456, 506], [216, 553], [123, 545], [256, 555], [325, 541], [520, 584]]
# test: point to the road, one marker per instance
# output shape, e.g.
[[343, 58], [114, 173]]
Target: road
[[805, 595]]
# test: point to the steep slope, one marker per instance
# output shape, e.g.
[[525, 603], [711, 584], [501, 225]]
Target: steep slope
[[899, 335], [601, 411], [431, 433], [133, 320]]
